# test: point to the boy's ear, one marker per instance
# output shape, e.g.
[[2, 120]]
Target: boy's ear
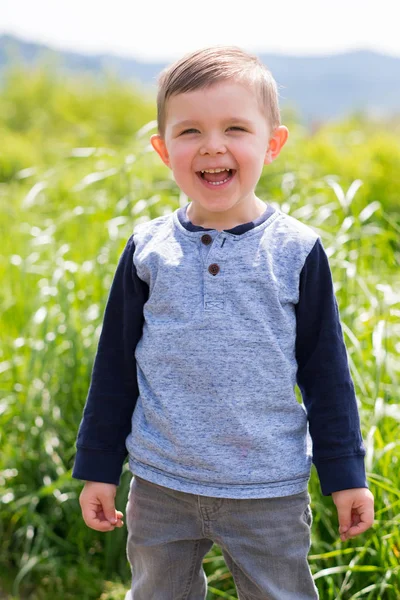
[[159, 146], [276, 143]]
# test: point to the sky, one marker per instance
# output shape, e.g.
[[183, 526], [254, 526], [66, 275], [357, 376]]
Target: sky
[[163, 30]]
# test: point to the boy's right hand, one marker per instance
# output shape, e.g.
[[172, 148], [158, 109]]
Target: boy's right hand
[[97, 502]]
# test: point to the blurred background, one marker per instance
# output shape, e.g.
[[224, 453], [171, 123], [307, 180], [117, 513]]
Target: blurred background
[[77, 108]]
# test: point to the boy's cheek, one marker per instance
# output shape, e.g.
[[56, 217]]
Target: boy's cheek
[[181, 164], [181, 180]]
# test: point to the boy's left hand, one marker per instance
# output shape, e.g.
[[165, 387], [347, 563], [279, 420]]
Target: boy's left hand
[[355, 509]]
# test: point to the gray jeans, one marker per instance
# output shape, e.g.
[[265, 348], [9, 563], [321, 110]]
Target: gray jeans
[[264, 542]]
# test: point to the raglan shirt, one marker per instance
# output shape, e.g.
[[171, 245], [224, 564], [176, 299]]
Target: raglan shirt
[[205, 335]]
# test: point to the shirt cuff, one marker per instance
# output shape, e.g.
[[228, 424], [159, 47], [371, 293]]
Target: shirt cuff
[[341, 473], [98, 465]]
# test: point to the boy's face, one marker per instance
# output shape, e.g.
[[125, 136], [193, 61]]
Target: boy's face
[[219, 127]]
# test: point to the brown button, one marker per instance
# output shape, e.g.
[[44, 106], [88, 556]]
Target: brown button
[[206, 239], [213, 269]]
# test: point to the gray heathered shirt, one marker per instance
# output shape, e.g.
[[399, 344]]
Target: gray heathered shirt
[[216, 363], [204, 336]]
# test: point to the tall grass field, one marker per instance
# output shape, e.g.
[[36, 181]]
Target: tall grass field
[[76, 174]]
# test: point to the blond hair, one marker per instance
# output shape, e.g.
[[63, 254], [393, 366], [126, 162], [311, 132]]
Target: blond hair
[[204, 67]]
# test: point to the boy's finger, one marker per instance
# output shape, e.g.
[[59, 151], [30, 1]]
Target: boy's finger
[[109, 510], [94, 521], [344, 517], [102, 526], [357, 529], [359, 523]]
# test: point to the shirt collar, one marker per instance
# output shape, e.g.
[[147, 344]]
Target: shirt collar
[[237, 230]]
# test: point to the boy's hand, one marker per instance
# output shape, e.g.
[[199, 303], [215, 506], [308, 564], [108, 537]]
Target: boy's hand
[[355, 509], [98, 507]]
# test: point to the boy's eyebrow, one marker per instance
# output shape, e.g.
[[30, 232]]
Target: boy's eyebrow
[[239, 120], [185, 123]]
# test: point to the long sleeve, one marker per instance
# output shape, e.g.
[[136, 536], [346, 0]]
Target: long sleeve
[[324, 380], [113, 389]]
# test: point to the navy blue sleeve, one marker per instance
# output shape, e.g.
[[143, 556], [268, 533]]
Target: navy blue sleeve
[[113, 390], [324, 379]]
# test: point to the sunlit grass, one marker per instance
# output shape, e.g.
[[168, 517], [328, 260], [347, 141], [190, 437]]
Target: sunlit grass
[[67, 209]]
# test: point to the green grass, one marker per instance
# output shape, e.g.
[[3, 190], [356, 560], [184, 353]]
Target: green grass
[[76, 174]]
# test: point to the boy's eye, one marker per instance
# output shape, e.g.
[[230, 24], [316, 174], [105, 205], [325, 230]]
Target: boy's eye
[[192, 130]]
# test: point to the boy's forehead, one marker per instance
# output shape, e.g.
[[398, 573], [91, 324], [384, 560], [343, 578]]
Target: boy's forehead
[[229, 100], [228, 90]]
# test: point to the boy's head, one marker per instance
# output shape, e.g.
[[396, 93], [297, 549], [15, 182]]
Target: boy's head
[[209, 66], [219, 123]]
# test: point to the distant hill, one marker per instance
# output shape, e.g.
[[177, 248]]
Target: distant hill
[[316, 87]]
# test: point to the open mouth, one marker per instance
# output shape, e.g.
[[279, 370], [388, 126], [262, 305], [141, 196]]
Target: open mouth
[[216, 177]]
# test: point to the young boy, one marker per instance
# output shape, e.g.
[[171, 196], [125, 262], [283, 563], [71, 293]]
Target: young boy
[[216, 311]]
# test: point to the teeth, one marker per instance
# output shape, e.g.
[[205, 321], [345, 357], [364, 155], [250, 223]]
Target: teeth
[[219, 182], [214, 170]]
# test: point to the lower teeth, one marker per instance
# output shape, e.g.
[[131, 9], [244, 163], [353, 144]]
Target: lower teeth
[[218, 182]]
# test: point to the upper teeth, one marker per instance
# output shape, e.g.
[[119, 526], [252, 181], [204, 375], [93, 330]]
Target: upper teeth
[[214, 170]]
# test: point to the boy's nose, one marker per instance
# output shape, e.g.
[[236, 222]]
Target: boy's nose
[[213, 146]]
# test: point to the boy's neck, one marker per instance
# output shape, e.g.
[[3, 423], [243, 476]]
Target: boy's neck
[[221, 221]]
